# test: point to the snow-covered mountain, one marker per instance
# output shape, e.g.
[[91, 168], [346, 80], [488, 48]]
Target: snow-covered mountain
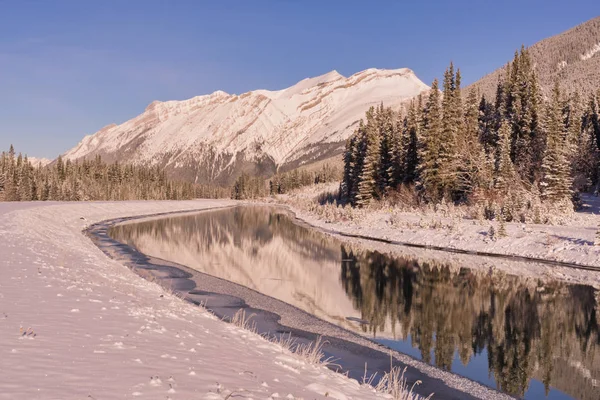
[[215, 137], [35, 161]]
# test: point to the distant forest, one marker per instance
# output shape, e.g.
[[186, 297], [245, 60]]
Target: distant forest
[[92, 180], [511, 154], [248, 187]]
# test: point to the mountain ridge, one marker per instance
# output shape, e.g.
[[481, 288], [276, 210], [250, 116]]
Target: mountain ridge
[[217, 136]]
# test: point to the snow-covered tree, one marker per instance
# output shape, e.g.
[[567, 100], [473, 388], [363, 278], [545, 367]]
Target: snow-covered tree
[[368, 185], [396, 156], [429, 166], [385, 122], [412, 140], [557, 182], [505, 170]]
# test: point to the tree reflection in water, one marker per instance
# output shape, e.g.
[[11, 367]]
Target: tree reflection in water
[[529, 329]]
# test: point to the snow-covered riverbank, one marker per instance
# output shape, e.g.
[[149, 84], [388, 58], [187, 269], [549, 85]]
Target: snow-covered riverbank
[[76, 325], [571, 242]]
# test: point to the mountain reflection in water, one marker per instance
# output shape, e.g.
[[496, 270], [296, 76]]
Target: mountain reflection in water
[[537, 339]]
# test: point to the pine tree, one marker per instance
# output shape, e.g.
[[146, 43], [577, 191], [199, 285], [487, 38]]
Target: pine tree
[[451, 127], [505, 171], [473, 169], [582, 151], [2, 175], [368, 185], [521, 109], [492, 233], [24, 181], [395, 172], [588, 160], [488, 132], [387, 145], [502, 226], [429, 166], [412, 141], [556, 182], [359, 150], [573, 122], [10, 184]]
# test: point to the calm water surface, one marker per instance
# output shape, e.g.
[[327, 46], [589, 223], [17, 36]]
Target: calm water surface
[[524, 337]]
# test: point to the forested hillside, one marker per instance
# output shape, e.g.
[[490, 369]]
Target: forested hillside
[[572, 57], [515, 156]]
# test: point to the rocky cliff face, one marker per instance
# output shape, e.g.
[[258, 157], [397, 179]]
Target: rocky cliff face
[[213, 138]]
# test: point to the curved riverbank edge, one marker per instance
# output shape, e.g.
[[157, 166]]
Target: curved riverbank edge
[[272, 316], [536, 267], [447, 249]]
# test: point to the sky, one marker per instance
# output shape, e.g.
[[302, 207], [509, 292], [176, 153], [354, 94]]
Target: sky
[[70, 67]]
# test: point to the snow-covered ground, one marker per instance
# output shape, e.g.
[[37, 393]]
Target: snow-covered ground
[[75, 324], [570, 242]]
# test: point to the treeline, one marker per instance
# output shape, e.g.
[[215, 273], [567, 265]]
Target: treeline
[[509, 153], [250, 187], [92, 180], [295, 179]]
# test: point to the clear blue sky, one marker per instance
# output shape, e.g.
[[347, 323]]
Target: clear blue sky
[[70, 67]]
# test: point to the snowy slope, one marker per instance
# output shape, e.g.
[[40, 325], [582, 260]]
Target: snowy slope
[[75, 324], [216, 136]]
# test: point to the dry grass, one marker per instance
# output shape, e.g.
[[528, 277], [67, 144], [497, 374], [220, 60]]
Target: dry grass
[[394, 384], [311, 353], [240, 320]]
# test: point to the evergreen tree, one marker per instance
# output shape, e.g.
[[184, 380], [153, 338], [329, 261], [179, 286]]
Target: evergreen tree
[[502, 227], [583, 154], [521, 108], [395, 171], [473, 168], [359, 160], [588, 160], [451, 129], [556, 182], [10, 180], [429, 167], [505, 171], [368, 185], [488, 132], [387, 144], [573, 122], [412, 141], [24, 181]]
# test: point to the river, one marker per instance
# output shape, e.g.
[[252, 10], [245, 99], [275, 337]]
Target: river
[[529, 338]]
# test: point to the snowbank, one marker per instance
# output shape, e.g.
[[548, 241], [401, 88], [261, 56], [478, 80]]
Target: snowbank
[[77, 325], [572, 242]]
